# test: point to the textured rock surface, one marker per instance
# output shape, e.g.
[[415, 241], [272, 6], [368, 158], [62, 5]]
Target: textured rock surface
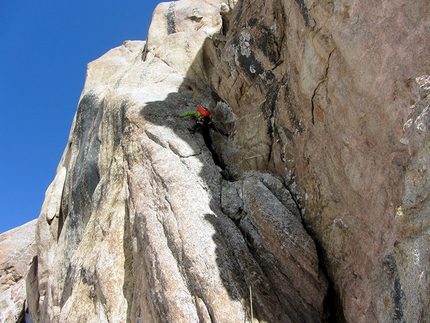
[[17, 249], [319, 93], [133, 228], [326, 100]]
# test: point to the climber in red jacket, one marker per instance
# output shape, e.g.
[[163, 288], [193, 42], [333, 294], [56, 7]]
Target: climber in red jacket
[[203, 116]]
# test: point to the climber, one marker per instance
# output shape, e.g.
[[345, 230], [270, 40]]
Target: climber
[[203, 116]]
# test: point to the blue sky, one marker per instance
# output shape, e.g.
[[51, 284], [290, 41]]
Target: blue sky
[[44, 49]]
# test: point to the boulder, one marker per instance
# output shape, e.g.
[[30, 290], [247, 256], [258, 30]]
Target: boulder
[[17, 249]]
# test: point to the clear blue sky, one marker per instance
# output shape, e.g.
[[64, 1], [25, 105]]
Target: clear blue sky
[[44, 49]]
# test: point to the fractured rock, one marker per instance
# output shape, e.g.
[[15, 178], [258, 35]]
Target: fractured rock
[[321, 93], [17, 249]]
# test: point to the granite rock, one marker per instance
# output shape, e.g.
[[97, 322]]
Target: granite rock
[[133, 227], [17, 249], [315, 207]]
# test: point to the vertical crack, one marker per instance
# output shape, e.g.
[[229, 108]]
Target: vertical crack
[[320, 84]]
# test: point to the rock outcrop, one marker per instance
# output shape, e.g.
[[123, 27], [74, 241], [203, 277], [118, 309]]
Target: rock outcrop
[[17, 249], [314, 209], [321, 93], [140, 226]]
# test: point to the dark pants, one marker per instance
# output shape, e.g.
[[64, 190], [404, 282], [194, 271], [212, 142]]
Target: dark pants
[[200, 123]]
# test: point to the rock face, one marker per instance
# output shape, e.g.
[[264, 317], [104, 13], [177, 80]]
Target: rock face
[[321, 93], [17, 249], [133, 227], [314, 209]]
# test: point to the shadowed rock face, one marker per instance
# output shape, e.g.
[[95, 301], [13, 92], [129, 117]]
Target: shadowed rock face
[[327, 115], [321, 94], [17, 249]]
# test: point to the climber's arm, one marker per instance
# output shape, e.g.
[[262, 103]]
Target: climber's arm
[[190, 113]]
